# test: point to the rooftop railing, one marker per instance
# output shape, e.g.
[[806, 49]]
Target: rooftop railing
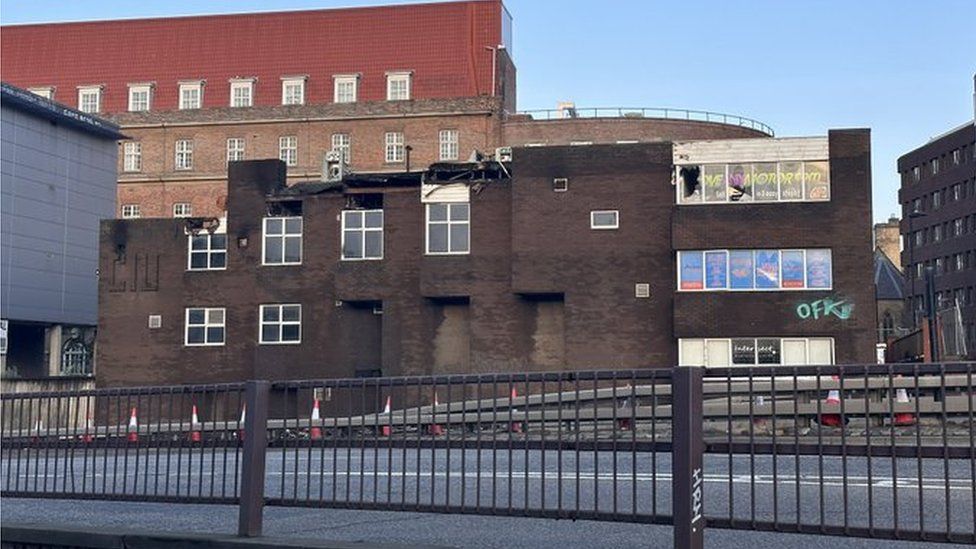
[[648, 112]]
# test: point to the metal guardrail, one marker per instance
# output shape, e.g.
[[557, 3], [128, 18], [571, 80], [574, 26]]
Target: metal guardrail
[[879, 451], [648, 112]]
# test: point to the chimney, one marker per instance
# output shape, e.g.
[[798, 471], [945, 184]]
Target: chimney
[[887, 238]]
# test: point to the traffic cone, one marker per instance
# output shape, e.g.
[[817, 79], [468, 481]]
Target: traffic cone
[[386, 430], [903, 418], [315, 432], [87, 437], [240, 426], [516, 426], [831, 420], [195, 435], [133, 427], [434, 428]]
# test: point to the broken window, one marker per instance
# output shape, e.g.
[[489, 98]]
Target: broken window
[[689, 184]]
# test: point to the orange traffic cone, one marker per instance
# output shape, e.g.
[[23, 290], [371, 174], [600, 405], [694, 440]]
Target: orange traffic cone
[[903, 418], [87, 437], [386, 430], [516, 426], [315, 432], [195, 435], [133, 427], [435, 429], [831, 420], [240, 425]]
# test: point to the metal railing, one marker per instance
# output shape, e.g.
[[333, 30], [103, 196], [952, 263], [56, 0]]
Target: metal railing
[[648, 112], [877, 451]]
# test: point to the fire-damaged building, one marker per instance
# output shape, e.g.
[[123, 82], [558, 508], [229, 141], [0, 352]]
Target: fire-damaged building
[[723, 252]]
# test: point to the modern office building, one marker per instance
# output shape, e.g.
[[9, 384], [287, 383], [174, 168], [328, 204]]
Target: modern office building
[[719, 252], [58, 182], [938, 200]]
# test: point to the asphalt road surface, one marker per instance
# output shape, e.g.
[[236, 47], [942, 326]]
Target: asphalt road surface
[[817, 490]]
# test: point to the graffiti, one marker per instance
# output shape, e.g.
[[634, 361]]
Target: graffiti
[[696, 498], [825, 307]]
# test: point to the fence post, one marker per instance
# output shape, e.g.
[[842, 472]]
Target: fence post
[[687, 474], [252, 463]]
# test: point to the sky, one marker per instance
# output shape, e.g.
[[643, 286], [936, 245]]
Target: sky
[[902, 68]]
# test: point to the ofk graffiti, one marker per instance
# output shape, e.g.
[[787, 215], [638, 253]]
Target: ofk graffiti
[[825, 307]]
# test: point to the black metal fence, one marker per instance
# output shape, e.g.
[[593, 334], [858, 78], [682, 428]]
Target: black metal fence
[[878, 451]]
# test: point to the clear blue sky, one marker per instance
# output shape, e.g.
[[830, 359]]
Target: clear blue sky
[[903, 68]]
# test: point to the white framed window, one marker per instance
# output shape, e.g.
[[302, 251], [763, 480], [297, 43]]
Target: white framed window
[[130, 211], [132, 156], [448, 228], [755, 351], [397, 86], [90, 99], [191, 94], [205, 326], [293, 90], [342, 143], [282, 242], [45, 92], [394, 147], [184, 154], [235, 149], [241, 92], [140, 97], [604, 219], [207, 252], [448, 141], [362, 234], [182, 209], [288, 149], [281, 324], [345, 88], [755, 270]]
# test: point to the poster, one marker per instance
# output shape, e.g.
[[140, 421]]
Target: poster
[[713, 177], [740, 183], [716, 270], [792, 269], [743, 351], [740, 269], [690, 270], [790, 181], [768, 352], [819, 269], [816, 179], [764, 182], [767, 269]]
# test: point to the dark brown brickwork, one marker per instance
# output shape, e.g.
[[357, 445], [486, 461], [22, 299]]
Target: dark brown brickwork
[[539, 290]]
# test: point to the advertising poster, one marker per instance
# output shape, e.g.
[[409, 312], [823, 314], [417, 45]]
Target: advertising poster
[[818, 269], [816, 179], [716, 271], [713, 177], [767, 269], [740, 269], [691, 270], [764, 182], [792, 269], [740, 183], [743, 351], [768, 351], [790, 181]]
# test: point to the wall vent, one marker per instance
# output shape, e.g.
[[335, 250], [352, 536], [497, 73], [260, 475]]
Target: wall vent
[[642, 290], [560, 184], [155, 322]]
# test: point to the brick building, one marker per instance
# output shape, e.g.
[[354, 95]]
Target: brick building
[[938, 227], [427, 83], [740, 251]]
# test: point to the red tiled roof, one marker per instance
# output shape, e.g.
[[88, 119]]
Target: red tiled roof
[[442, 43]]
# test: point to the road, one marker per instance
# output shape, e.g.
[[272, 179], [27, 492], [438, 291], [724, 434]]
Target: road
[[586, 481]]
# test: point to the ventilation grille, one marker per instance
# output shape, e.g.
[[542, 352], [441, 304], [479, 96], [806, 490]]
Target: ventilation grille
[[155, 322], [642, 290]]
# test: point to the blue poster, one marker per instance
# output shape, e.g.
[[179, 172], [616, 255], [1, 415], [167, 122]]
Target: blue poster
[[740, 269], [691, 270], [716, 271], [767, 269], [819, 269], [792, 269]]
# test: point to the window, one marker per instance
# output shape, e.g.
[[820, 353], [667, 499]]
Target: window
[[448, 144], [934, 166], [936, 200], [394, 147], [204, 326], [753, 182], [281, 324], [397, 86], [719, 270], [282, 241], [207, 252], [182, 209], [288, 150], [132, 156], [4, 325], [76, 358], [604, 219], [362, 234], [139, 97], [90, 99], [916, 174], [345, 88], [960, 262], [937, 233], [235, 149], [191, 95], [342, 143], [957, 227], [184, 154], [956, 157], [448, 228], [130, 211], [760, 351], [293, 91], [241, 93]]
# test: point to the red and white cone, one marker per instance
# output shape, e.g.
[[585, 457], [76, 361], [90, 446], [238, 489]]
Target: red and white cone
[[903, 418], [133, 427], [87, 437], [195, 435], [386, 430], [315, 429], [435, 429], [516, 426], [240, 425], [832, 420]]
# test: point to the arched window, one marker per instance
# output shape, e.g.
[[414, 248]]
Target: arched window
[[75, 358], [887, 325]]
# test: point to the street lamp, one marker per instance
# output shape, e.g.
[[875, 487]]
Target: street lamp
[[915, 214]]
